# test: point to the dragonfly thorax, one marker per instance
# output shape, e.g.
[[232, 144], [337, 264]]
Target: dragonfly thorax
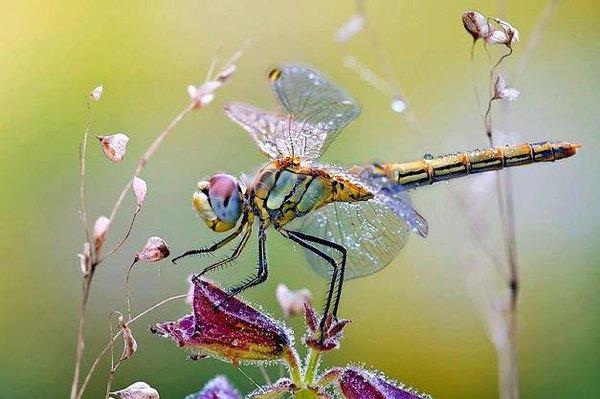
[[286, 189]]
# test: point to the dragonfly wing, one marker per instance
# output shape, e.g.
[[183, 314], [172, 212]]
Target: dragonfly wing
[[394, 197], [320, 108], [263, 126], [370, 231]]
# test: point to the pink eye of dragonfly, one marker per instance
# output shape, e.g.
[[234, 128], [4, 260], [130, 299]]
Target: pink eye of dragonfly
[[351, 221]]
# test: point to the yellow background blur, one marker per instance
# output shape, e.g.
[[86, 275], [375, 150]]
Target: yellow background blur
[[416, 320]]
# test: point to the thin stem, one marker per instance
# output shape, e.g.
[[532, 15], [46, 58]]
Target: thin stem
[[120, 243], [534, 38], [127, 289], [264, 373], [82, 153], [107, 347], [510, 51], [474, 81], [247, 376], [293, 362], [148, 154], [87, 279], [312, 363], [390, 76], [111, 341]]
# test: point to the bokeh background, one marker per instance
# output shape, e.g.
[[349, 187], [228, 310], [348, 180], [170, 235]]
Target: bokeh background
[[420, 320]]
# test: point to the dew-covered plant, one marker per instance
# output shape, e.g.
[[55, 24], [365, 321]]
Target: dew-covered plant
[[236, 332], [95, 254]]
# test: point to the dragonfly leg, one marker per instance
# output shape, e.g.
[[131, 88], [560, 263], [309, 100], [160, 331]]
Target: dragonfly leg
[[261, 271], [338, 269], [214, 247], [236, 252]]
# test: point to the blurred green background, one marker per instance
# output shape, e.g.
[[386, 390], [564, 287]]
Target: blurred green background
[[419, 320]]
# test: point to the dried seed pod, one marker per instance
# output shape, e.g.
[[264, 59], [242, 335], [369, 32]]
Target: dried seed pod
[[292, 302], [476, 25], [129, 342], [137, 390], [114, 146], [96, 94], [140, 188], [501, 92], [154, 250], [85, 259], [100, 232]]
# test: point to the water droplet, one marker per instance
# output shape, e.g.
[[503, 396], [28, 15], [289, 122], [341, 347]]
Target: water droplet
[[398, 105]]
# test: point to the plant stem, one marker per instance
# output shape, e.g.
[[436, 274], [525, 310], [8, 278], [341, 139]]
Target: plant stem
[[148, 154], [293, 362], [125, 237], [82, 152], [108, 346], [87, 281], [127, 290], [312, 365]]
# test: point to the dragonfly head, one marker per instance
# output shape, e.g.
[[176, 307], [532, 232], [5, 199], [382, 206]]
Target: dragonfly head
[[219, 201]]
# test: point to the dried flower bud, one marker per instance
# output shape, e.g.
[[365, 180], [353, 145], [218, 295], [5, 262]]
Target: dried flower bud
[[217, 388], [203, 95], [512, 34], [225, 73], [140, 189], [137, 390], [507, 36], [155, 249], [292, 302], [129, 342], [357, 383], [99, 232], [331, 335], [501, 92], [226, 328], [350, 28], [114, 146], [96, 94], [85, 259], [496, 37], [476, 24]]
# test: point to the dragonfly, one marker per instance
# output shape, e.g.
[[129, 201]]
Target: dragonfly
[[352, 221]]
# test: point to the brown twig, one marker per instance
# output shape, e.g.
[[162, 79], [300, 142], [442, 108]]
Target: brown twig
[[127, 289], [118, 334], [147, 155], [87, 280], [125, 237]]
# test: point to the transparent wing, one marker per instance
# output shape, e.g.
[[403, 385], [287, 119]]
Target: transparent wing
[[276, 135], [394, 197], [320, 108], [371, 233]]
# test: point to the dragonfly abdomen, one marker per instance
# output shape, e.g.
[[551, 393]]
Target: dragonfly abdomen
[[430, 170]]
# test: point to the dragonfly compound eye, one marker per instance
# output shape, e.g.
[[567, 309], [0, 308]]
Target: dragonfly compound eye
[[218, 202]]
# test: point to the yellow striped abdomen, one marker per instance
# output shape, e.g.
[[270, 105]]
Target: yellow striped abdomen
[[430, 170]]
